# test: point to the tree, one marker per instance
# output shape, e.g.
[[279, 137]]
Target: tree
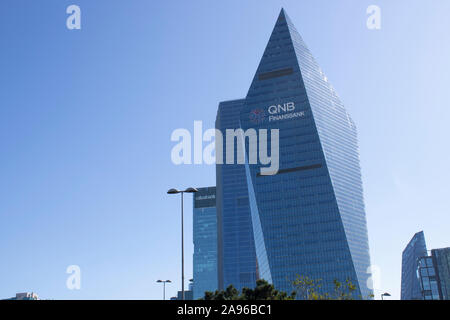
[[343, 291], [265, 291], [231, 293], [262, 291], [309, 289], [305, 288]]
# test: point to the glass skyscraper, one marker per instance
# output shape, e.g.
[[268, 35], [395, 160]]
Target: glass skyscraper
[[205, 242], [236, 248], [309, 218], [416, 249], [426, 273], [424, 276], [441, 260]]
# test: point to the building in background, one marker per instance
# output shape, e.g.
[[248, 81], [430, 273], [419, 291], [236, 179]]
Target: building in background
[[236, 247], [415, 249], [441, 260], [188, 294], [25, 296], [434, 275], [205, 242], [309, 218], [425, 277]]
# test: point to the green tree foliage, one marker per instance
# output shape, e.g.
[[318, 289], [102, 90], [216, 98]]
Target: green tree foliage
[[262, 291], [305, 288], [309, 289]]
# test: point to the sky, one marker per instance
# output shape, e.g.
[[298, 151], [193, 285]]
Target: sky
[[86, 118]]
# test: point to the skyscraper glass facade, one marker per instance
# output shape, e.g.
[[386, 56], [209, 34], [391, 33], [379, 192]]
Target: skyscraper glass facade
[[425, 277], [441, 260], [205, 242], [236, 248], [309, 218], [426, 274], [416, 249]]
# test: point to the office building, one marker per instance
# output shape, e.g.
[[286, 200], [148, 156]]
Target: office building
[[236, 248], [441, 261], [25, 296], [415, 249], [309, 218], [425, 276], [188, 294], [205, 242]]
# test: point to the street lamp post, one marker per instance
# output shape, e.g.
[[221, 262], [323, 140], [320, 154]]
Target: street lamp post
[[175, 191], [385, 295], [164, 287]]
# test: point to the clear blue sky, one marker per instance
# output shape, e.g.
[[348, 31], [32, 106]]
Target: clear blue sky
[[86, 118]]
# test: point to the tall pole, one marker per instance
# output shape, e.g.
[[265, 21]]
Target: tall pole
[[164, 286], [164, 290], [182, 249], [175, 191]]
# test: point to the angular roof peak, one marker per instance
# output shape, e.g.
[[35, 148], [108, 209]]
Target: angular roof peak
[[283, 15]]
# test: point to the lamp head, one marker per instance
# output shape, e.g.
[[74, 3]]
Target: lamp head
[[173, 191]]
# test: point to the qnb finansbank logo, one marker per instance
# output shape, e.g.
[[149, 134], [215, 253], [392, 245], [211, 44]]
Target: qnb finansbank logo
[[257, 116], [276, 112], [283, 112], [250, 146]]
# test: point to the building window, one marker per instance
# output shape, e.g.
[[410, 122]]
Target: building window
[[275, 74]]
